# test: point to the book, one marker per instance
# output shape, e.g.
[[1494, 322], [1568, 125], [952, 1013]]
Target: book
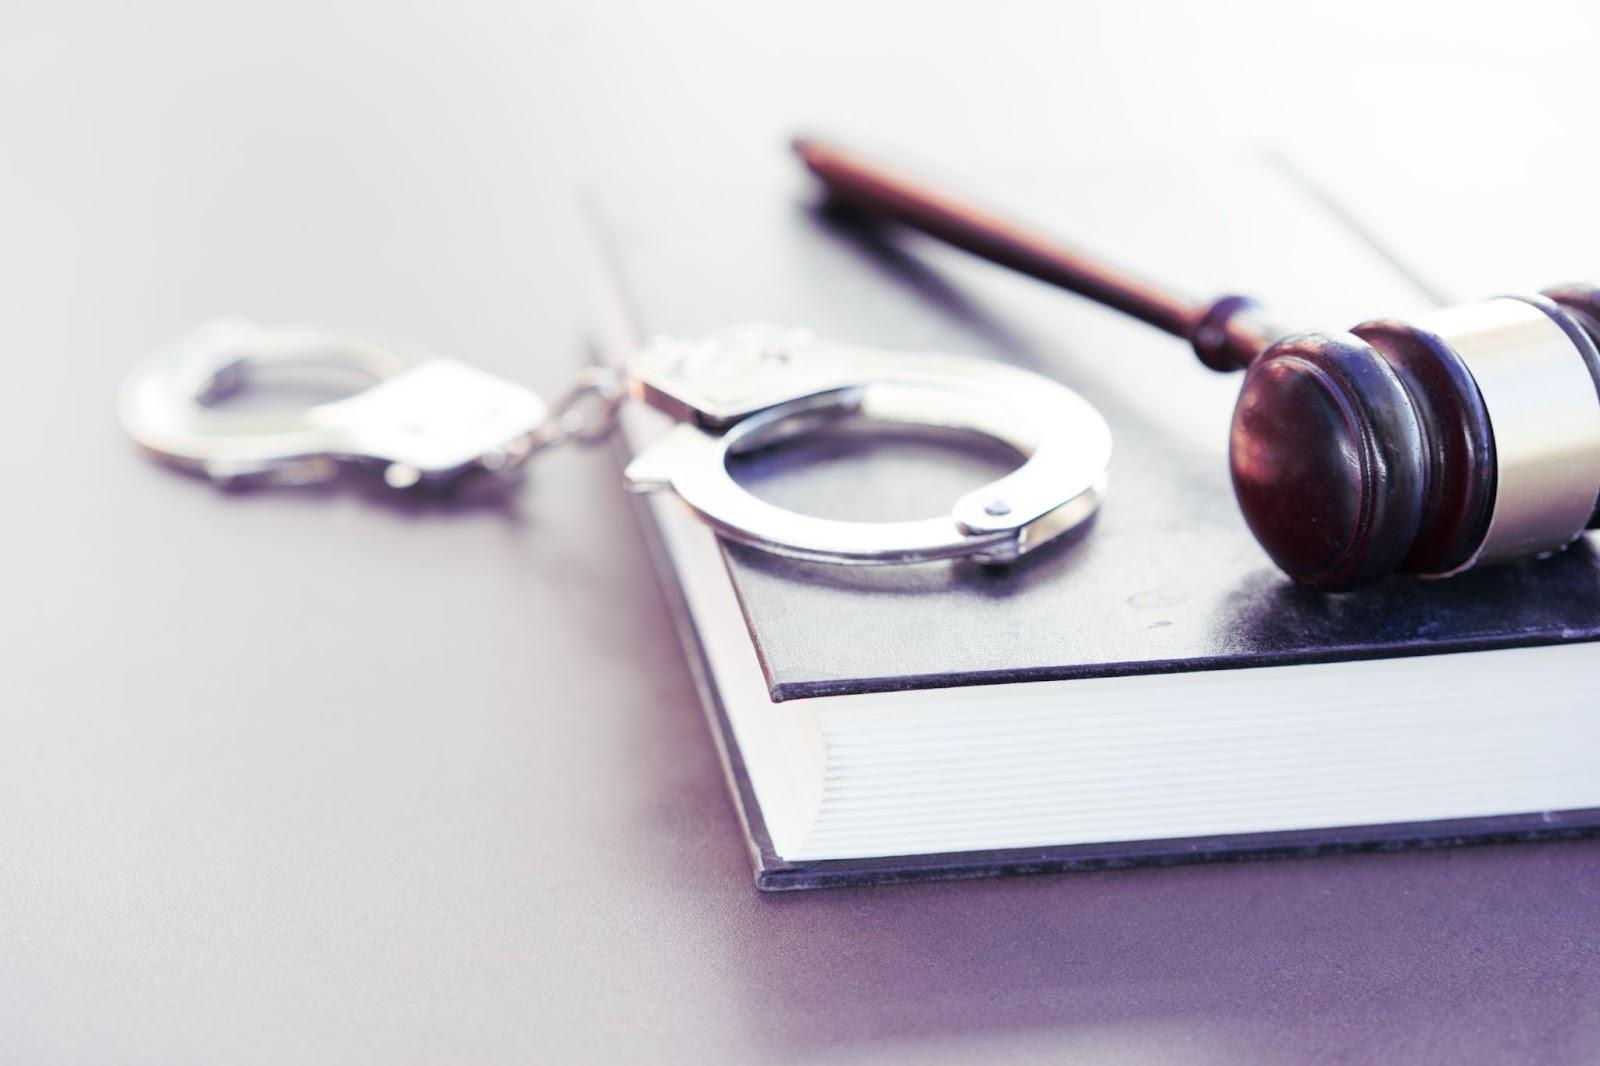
[[1150, 691]]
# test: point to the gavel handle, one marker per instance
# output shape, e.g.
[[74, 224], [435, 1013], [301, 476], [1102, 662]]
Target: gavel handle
[[1226, 333]]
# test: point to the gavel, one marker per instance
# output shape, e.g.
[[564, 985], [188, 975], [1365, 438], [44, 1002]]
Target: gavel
[[1468, 437]]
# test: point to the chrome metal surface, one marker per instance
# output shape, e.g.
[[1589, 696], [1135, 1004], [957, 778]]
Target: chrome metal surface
[[750, 386], [425, 419], [430, 420], [1546, 420]]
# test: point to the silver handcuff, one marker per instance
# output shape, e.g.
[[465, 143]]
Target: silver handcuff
[[432, 421]]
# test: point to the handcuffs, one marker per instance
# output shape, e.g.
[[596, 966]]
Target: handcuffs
[[433, 421]]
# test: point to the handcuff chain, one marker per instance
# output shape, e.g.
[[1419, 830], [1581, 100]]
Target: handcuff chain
[[587, 413]]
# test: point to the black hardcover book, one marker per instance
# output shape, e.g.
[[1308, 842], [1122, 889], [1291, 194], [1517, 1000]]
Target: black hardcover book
[[1152, 689]]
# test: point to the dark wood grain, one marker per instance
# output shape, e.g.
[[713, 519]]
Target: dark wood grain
[[1227, 332]]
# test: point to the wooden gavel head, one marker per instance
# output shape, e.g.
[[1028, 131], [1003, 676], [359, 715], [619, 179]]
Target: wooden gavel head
[[1469, 436]]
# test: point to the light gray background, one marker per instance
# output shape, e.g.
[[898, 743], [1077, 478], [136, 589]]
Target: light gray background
[[316, 776]]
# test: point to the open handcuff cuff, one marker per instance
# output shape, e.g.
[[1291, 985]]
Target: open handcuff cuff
[[432, 421]]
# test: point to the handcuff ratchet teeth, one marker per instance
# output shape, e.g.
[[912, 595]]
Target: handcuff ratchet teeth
[[431, 421]]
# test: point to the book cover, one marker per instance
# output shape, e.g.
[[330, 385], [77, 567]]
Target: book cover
[[1167, 578]]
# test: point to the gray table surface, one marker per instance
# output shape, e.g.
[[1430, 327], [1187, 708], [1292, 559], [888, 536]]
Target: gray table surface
[[317, 776]]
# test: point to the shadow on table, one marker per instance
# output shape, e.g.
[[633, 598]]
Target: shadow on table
[[1441, 955]]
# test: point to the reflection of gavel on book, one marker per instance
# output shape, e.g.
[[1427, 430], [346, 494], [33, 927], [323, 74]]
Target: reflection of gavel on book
[[1470, 436]]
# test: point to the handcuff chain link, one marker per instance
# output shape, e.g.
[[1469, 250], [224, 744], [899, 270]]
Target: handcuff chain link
[[587, 413]]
